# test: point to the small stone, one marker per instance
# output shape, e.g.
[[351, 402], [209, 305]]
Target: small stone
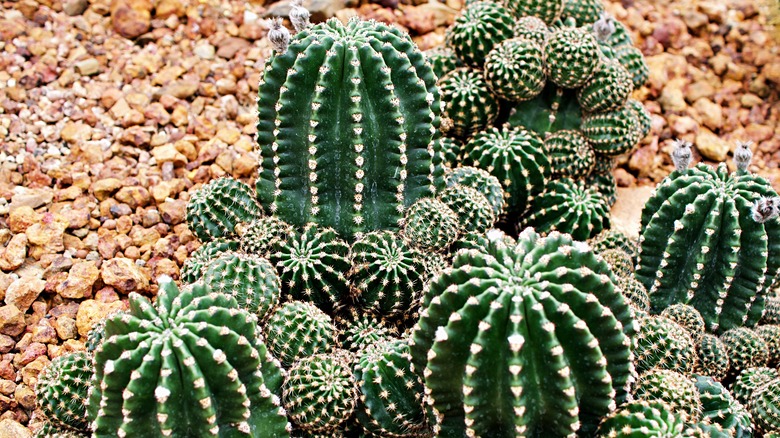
[[710, 113], [7, 344], [229, 135], [103, 188], [711, 146], [750, 100], [13, 255], [25, 396], [80, 280], [33, 198], [699, 89], [181, 89], [88, 67], [21, 218], [22, 292], [131, 18], [228, 47], [48, 233], [76, 132], [771, 72], [167, 153], [11, 321], [91, 311], [75, 7], [672, 98], [124, 275], [66, 327], [44, 333], [205, 51], [173, 212], [7, 387], [11, 429], [134, 196]]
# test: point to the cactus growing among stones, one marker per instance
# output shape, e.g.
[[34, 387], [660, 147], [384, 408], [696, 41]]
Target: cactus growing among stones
[[61, 391], [494, 326], [468, 102], [663, 344], [720, 408], [191, 365], [746, 349], [430, 225], [701, 245], [481, 26], [298, 329], [324, 155], [250, 279], [713, 357], [216, 209], [676, 390]]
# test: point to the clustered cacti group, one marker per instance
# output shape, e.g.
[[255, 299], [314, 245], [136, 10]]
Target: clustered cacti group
[[360, 289]]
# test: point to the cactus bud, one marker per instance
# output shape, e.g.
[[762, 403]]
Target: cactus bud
[[604, 27], [299, 16], [278, 34], [766, 208], [681, 157], [743, 155]]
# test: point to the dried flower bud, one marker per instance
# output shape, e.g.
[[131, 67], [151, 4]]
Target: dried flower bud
[[278, 35], [604, 27], [743, 155], [299, 16], [681, 156], [765, 209]]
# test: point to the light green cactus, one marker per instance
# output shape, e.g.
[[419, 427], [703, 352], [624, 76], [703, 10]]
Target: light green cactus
[[196, 263]]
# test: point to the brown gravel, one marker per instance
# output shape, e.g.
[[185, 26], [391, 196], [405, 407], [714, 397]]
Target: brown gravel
[[103, 138]]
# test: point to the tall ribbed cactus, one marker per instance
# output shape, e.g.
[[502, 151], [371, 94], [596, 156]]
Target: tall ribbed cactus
[[348, 115], [530, 340], [191, 365], [704, 243]]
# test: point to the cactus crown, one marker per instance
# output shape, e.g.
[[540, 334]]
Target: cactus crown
[[278, 35], [681, 156]]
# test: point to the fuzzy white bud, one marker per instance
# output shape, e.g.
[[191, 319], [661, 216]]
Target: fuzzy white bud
[[681, 156], [278, 35], [604, 27], [765, 209], [299, 16], [743, 155]]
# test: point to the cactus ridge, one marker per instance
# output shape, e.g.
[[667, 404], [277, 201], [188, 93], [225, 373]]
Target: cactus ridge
[[641, 418], [720, 408]]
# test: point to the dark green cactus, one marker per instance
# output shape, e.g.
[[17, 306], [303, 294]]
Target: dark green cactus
[[720, 408], [480, 180], [746, 349], [582, 11], [299, 329], [764, 406], [196, 263], [571, 56], [569, 207], [259, 236], [602, 180], [191, 365], [468, 102], [619, 261], [514, 69], [531, 28], [387, 274], [750, 380], [475, 214], [517, 158], [644, 122], [443, 60], [640, 418], [546, 10], [771, 335], [250, 279], [634, 291], [676, 390], [216, 209], [347, 118], [451, 150], [771, 310], [516, 341], [612, 238], [61, 391], [688, 318], [570, 154], [663, 344], [430, 225], [391, 395], [632, 59], [485, 242], [613, 132], [607, 89], [319, 392], [480, 27], [313, 265], [702, 246], [359, 329], [713, 358]]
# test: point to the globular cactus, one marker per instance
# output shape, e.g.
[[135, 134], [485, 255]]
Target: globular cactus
[[484, 242], [250, 279], [746, 349], [613, 132], [640, 418], [582, 11], [771, 313], [701, 245], [359, 329], [720, 408], [481, 26], [607, 89], [196, 263], [713, 358], [480, 180], [299, 329], [644, 122], [676, 390], [605, 184], [750, 380], [764, 406], [430, 225], [570, 154], [517, 158], [532, 28], [771, 335], [468, 102], [634, 291], [49, 430], [571, 57], [569, 207], [312, 265], [259, 236], [387, 275], [688, 318], [324, 158], [451, 150], [514, 69], [496, 325], [391, 395], [663, 344], [216, 209], [475, 214], [191, 365], [619, 261], [546, 10], [611, 238], [62, 389], [443, 60], [319, 392], [634, 62]]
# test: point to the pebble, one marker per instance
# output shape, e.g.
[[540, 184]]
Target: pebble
[[711, 146], [22, 292], [124, 275], [12, 429], [88, 67], [81, 278], [91, 312], [11, 321], [13, 255]]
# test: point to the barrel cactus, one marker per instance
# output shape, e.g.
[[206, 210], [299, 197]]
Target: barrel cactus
[[764, 406], [191, 365], [251, 280], [610, 239], [571, 56], [481, 26], [719, 407], [359, 329], [746, 349], [713, 357], [194, 266], [635, 292], [259, 236], [325, 157], [570, 154], [750, 380], [480, 180], [216, 209], [688, 318], [770, 333], [468, 102], [61, 391], [771, 310], [495, 326], [298, 329], [443, 60], [663, 344], [475, 214], [643, 419], [431, 225], [514, 70], [676, 390]]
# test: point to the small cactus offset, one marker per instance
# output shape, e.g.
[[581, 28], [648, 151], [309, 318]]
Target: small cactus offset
[[746, 349], [607, 89], [609, 239], [216, 209], [570, 154], [431, 225], [297, 330], [771, 335], [468, 102], [475, 214], [443, 60], [619, 261], [480, 27], [259, 236], [514, 70], [676, 390], [688, 318], [583, 11], [635, 292], [613, 132], [196, 263], [480, 180], [62, 389], [571, 57], [250, 279], [49, 430], [663, 344], [548, 11], [531, 28], [750, 380], [771, 311], [191, 365], [641, 418], [713, 358], [359, 329], [764, 406]]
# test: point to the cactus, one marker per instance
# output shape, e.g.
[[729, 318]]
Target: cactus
[[644, 122], [475, 214], [570, 154], [468, 102], [546, 10], [517, 158], [611, 238], [720, 408], [196, 263], [324, 155], [319, 392], [569, 207], [672, 388], [605, 184], [313, 265], [582, 11], [571, 57], [701, 246], [634, 291], [48, 430], [688, 318], [531, 28], [61, 391], [771, 335], [619, 261], [514, 70], [260, 236], [299, 329], [443, 60], [359, 329], [191, 365], [431, 225], [480, 27], [250, 279], [713, 358], [391, 402], [480, 180], [216, 209], [608, 89], [663, 344], [764, 406], [495, 326], [771, 313], [746, 349], [640, 418], [613, 132], [451, 150], [387, 274], [485, 242], [634, 62], [750, 380]]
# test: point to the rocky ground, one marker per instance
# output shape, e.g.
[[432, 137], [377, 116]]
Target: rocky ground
[[113, 113]]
